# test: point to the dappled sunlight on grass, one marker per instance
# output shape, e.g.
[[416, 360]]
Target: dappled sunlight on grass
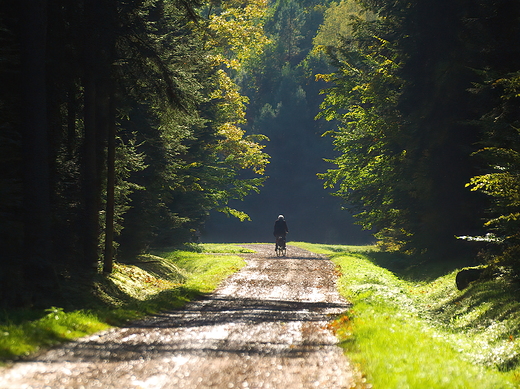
[[411, 328], [56, 326], [484, 321]]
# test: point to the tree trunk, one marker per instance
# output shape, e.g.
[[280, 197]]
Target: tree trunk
[[111, 181], [90, 182], [71, 121], [37, 206], [100, 16], [109, 39]]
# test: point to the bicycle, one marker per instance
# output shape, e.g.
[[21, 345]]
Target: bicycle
[[280, 247]]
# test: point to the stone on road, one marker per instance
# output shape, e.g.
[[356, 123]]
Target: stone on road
[[264, 327]]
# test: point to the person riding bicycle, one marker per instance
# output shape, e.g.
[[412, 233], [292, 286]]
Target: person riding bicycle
[[280, 228]]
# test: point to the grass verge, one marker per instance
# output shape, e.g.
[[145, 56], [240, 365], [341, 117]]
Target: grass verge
[[411, 328], [153, 283]]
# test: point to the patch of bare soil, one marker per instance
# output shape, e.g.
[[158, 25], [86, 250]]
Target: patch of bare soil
[[265, 327]]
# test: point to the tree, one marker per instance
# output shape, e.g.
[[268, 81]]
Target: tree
[[338, 23], [128, 114], [36, 199], [11, 190], [364, 101], [402, 85], [498, 60], [196, 157]]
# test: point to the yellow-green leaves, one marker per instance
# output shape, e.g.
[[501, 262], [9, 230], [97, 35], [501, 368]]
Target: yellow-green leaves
[[338, 21], [239, 150], [504, 185], [238, 31]]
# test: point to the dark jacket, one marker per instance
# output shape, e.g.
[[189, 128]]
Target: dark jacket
[[280, 228]]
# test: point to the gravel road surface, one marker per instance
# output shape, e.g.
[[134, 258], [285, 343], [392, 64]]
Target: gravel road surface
[[264, 327]]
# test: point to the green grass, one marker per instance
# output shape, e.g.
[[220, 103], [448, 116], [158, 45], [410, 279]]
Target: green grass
[[224, 248], [330, 249], [153, 283], [206, 271], [55, 326], [411, 328]]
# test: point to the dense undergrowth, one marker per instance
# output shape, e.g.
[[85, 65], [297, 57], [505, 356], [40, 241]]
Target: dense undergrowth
[[154, 282], [410, 327]]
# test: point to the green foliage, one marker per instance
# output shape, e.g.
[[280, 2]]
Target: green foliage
[[151, 77], [206, 271], [416, 331], [399, 97], [56, 326], [501, 155], [338, 23], [236, 31], [364, 102]]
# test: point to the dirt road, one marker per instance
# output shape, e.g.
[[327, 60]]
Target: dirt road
[[265, 327]]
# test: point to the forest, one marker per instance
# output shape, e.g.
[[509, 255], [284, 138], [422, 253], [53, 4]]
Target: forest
[[126, 123], [426, 94]]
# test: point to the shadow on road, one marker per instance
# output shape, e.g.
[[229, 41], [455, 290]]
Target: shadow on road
[[217, 309], [209, 316]]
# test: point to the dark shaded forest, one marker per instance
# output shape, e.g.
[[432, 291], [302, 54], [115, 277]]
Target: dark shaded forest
[[121, 129], [426, 94], [125, 124]]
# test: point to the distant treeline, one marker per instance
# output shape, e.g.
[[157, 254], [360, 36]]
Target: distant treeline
[[427, 94], [120, 130]]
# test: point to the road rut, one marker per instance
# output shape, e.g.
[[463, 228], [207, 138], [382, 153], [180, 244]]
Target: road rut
[[264, 327]]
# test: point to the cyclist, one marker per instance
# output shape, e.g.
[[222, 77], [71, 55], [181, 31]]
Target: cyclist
[[280, 228]]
